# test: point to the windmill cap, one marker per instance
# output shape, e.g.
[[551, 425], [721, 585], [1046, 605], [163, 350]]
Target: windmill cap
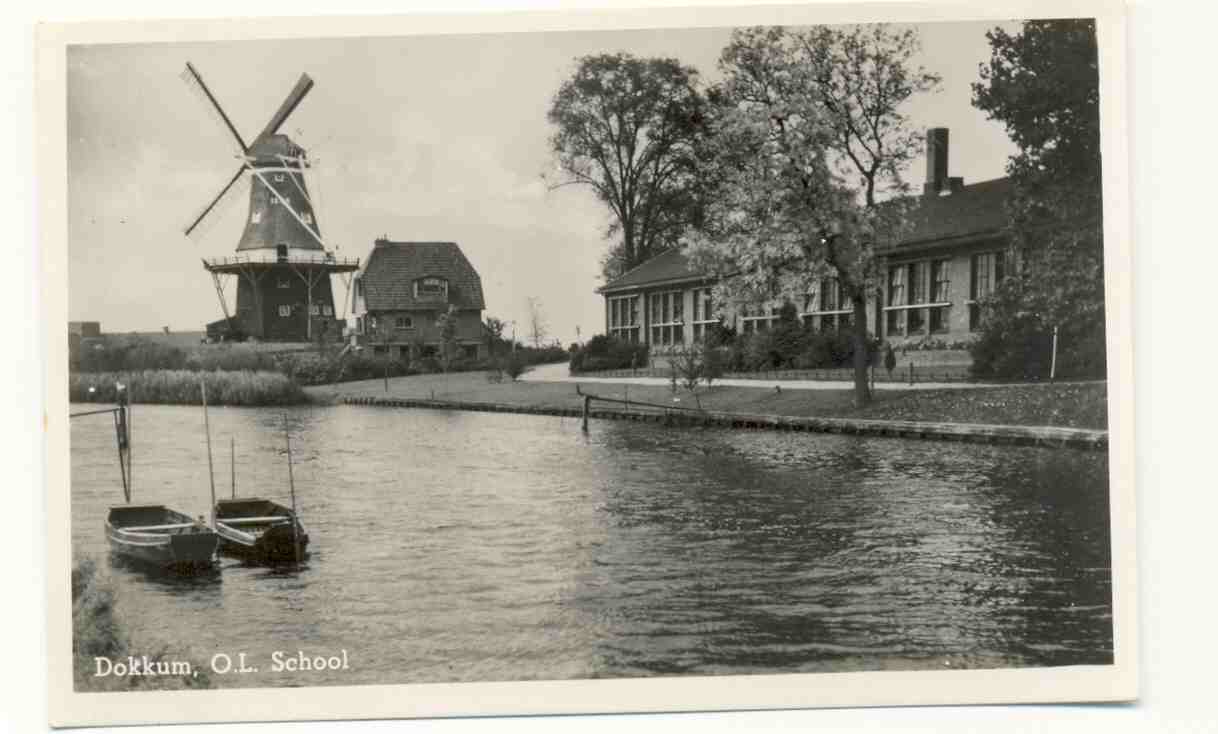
[[266, 151]]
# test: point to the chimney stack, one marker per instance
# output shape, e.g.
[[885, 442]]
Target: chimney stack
[[936, 161], [938, 183]]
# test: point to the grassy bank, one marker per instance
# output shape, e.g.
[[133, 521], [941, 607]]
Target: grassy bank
[[1078, 405], [181, 387], [98, 632]]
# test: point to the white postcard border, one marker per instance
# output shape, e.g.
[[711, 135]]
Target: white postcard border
[[1117, 682]]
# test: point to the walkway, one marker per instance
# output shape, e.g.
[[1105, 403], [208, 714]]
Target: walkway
[[559, 373]]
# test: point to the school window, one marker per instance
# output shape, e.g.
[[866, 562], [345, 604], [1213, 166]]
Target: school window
[[824, 309], [285, 311], [403, 322], [756, 319], [986, 270], [896, 297], [704, 313], [667, 318], [624, 318], [940, 292]]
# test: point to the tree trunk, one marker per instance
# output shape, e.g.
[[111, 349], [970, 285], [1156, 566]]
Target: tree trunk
[[862, 359]]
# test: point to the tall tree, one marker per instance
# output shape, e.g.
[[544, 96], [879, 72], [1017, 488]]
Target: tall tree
[[539, 327], [625, 127], [1043, 84], [809, 146]]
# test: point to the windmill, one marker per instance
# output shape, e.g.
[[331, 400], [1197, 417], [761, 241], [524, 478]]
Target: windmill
[[282, 264]]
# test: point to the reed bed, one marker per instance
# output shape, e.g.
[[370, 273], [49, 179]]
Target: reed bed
[[182, 387], [98, 631]]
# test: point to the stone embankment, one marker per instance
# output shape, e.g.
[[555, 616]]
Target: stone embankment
[[1051, 436]]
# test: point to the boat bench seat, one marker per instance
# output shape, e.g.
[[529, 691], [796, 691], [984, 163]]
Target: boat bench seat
[[252, 520], [152, 528]]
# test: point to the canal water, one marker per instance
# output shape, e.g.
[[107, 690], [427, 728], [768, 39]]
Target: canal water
[[457, 546]]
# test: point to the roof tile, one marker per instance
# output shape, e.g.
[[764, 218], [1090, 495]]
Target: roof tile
[[393, 267]]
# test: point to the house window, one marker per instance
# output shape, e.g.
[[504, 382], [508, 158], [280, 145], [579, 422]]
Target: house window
[[403, 322], [315, 310], [667, 318], [306, 217], [285, 311], [327, 310], [284, 283], [278, 178], [431, 288], [624, 318], [256, 217], [704, 313], [469, 351], [986, 270], [281, 252]]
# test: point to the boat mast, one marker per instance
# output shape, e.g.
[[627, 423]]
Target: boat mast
[[124, 440], [211, 474], [287, 439], [232, 453]]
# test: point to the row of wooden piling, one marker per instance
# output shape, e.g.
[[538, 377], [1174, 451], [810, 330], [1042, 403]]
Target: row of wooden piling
[[1050, 436]]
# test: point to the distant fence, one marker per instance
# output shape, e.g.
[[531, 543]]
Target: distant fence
[[909, 374]]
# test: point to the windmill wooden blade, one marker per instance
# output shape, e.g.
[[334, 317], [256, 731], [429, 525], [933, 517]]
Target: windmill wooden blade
[[214, 202], [192, 78], [289, 105]]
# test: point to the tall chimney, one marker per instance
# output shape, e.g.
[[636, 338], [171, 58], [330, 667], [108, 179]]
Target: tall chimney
[[936, 161]]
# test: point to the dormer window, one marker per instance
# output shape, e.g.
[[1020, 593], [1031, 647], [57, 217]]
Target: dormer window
[[431, 288]]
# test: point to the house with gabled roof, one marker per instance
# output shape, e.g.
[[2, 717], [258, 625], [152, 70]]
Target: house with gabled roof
[[932, 280], [401, 292]]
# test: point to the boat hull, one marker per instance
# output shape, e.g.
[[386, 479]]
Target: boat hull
[[260, 530], [156, 535]]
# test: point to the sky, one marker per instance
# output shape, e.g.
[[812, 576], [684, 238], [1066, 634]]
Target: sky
[[414, 138]]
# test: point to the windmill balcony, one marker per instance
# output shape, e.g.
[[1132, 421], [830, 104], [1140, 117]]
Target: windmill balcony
[[237, 263]]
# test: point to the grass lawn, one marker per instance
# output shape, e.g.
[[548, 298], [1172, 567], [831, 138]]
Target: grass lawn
[[1081, 405]]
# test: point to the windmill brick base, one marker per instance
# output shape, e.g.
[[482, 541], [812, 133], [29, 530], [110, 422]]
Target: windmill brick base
[[285, 300]]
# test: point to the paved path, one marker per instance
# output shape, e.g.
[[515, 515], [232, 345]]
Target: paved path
[[559, 373]]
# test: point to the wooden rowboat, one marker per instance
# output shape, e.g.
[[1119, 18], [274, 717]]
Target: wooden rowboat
[[260, 530], [157, 535]]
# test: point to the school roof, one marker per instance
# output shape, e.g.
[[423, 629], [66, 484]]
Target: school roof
[[670, 266], [389, 275], [970, 212]]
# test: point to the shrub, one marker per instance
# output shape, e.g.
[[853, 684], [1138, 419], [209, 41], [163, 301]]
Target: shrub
[[686, 364], [514, 366], [606, 353]]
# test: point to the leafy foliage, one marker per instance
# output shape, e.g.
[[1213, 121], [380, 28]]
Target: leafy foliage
[[1043, 84], [625, 127], [806, 133], [603, 352]]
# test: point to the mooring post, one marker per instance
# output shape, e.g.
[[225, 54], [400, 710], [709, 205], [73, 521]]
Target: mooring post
[[587, 404]]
